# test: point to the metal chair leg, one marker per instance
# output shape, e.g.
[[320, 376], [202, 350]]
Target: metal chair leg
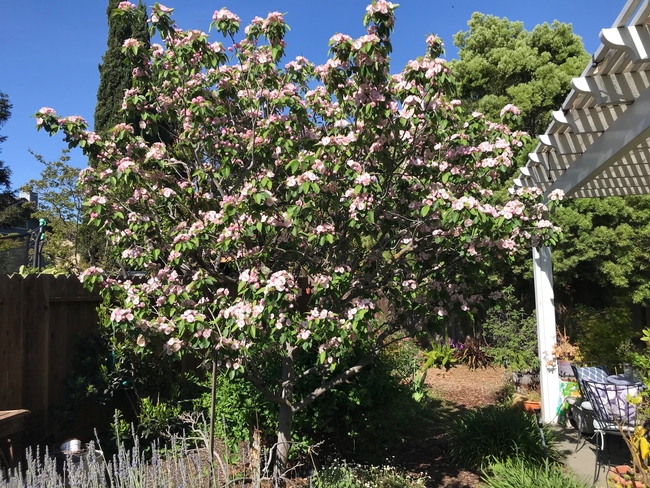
[[600, 446]]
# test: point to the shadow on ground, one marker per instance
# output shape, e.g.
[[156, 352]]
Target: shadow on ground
[[580, 452], [425, 450]]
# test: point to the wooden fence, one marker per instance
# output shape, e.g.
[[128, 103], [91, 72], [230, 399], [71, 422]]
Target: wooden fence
[[41, 318]]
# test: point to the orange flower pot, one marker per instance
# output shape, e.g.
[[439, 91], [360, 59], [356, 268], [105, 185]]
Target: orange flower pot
[[530, 407]]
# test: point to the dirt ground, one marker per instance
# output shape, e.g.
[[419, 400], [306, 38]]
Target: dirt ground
[[455, 390], [467, 388]]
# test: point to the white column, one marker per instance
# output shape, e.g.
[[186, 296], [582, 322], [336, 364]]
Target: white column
[[545, 312]]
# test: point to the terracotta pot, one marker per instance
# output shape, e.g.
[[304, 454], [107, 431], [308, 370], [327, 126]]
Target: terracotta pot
[[617, 474], [530, 407]]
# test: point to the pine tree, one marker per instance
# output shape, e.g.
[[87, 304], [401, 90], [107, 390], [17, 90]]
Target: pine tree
[[114, 74]]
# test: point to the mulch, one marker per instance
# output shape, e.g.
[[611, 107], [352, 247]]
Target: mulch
[[454, 392]]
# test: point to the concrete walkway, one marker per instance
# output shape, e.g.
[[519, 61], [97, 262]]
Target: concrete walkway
[[582, 460]]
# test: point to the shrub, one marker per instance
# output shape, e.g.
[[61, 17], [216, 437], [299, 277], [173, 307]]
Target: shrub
[[517, 473], [472, 354], [603, 333], [441, 355], [362, 417], [499, 433], [342, 475], [512, 334]]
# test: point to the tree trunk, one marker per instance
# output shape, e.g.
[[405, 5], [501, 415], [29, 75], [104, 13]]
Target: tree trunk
[[286, 413]]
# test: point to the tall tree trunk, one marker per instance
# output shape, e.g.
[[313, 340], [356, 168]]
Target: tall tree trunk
[[286, 413]]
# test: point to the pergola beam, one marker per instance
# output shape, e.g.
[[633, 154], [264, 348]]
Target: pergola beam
[[634, 40], [612, 89], [624, 135]]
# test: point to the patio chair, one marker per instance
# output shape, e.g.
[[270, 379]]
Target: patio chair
[[581, 410], [613, 414]]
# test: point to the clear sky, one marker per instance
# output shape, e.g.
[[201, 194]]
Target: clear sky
[[50, 49]]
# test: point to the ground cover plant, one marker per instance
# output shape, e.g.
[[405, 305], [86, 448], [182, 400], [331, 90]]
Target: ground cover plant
[[518, 473], [498, 433], [343, 475], [295, 214]]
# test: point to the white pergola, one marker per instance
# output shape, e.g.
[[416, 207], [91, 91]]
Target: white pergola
[[597, 145]]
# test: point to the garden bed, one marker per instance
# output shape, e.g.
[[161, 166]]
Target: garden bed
[[455, 391]]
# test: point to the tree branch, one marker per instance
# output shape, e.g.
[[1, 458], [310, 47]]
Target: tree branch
[[334, 382]]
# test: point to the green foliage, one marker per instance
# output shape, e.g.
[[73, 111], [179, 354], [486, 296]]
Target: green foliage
[[498, 433], [239, 408], [441, 355], [506, 393], [501, 62], [115, 75], [512, 334], [518, 473], [366, 416], [343, 475], [149, 391], [158, 418], [11, 213], [375, 411], [602, 333], [60, 203], [603, 258]]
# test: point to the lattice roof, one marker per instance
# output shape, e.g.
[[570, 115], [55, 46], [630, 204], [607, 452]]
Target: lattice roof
[[598, 143]]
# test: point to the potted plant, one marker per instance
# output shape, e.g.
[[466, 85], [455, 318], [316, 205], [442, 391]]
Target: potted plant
[[532, 401], [564, 353]]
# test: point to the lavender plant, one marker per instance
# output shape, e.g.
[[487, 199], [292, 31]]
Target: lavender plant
[[175, 465]]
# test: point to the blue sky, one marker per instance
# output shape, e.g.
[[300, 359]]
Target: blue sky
[[49, 50]]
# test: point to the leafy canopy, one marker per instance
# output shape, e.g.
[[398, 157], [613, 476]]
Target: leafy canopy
[[501, 62], [60, 202]]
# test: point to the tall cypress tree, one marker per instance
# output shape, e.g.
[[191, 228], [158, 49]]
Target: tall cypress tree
[[9, 213], [114, 74]]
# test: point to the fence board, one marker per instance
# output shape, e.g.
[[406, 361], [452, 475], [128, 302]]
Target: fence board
[[41, 318]]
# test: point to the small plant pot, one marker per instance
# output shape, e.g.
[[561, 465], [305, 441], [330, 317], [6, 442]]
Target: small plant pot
[[620, 476], [564, 367], [530, 407]]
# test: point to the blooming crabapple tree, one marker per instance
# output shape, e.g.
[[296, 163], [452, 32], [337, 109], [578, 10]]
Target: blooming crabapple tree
[[374, 188]]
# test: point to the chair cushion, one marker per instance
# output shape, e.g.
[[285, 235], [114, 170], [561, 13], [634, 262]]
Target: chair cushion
[[610, 402], [596, 374]]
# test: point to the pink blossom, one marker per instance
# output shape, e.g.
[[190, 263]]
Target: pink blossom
[[224, 14], [126, 6], [121, 314], [131, 43], [381, 6], [509, 108], [97, 200], [92, 271], [339, 38], [172, 345], [125, 164]]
